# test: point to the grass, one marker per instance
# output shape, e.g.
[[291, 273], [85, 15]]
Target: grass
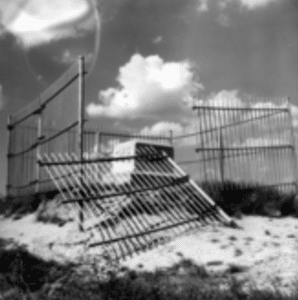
[[234, 198], [28, 277], [251, 199]]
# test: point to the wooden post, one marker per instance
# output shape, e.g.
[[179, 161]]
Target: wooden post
[[38, 148], [221, 156], [171, 138], [81, 118], [293, 143], [9, 160]]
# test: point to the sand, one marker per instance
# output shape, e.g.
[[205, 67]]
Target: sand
[[263, 251]]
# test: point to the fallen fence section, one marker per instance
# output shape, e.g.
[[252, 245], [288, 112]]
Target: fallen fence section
[[131, 203]]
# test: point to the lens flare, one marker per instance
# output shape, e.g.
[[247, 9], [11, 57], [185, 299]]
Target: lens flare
[[53, 33]]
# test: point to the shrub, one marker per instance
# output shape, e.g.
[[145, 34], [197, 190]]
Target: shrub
[[242, 198]]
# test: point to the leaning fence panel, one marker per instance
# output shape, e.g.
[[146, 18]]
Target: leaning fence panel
[[139, 201]]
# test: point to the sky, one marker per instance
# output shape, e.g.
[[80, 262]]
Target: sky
[[154, 57]]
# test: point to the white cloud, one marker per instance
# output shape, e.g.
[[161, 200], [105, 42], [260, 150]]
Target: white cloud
[[163, 128], [223, 98], [40, 21], [294, 112], [222, 5], [252, 4], [223, 8], [203, 6], [157, 39], [148, 88]]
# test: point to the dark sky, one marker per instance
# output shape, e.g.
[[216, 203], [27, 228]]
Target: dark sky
[[151, 52]]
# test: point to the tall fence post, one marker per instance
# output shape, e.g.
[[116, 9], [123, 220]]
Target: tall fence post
[[171, 137], [293, 142], [221, 157], [81, 118], [38, 148], [8, 175]]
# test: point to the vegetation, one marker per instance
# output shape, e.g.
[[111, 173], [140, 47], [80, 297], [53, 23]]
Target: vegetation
[[24, 276], [27, 277], [251, 199]]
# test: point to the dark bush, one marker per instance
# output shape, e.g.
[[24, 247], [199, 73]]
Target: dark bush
[[26, 271], [242, 198]]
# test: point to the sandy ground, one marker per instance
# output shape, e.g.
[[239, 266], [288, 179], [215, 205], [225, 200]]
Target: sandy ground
[[263, 250]]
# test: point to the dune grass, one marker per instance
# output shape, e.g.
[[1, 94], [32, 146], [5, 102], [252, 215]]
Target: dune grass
[[235, 198], [251, 199]]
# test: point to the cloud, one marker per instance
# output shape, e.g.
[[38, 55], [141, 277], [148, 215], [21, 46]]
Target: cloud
[[40, 21], [157, 39], [253, 4], [223, 20], [163, 128], [203, 6], [294, 113], [149, 88], [223, 6]]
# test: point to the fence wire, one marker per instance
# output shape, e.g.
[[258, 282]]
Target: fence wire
[[49, 124]]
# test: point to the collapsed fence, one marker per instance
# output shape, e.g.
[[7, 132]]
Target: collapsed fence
[[131, 203]]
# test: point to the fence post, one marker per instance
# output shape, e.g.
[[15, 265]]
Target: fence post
[[221, 156], [9, 161], [38, 151], [171, 138], [81, 119], [293, 142]]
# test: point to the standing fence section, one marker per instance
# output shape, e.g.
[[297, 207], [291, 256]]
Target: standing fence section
[[22, 128], [249, 145], [50, 124]]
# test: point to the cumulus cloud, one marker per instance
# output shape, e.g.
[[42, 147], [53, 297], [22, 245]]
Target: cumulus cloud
[[222, 99], [163, 128], [149, 87], [203, 6], [40, 21]]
